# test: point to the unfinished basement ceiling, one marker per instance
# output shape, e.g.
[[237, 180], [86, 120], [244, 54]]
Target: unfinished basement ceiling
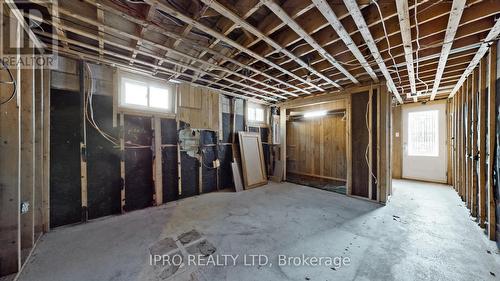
[[275, 51]]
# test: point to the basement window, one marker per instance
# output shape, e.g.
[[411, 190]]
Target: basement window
[[142, 93], [423, 133], [255, 114]]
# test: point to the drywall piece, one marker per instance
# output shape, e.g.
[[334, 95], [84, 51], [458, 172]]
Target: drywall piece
[[360, 140], [103, 162], [138, 162], [238, 183], [65, 197], [252, 160], [278, 171]]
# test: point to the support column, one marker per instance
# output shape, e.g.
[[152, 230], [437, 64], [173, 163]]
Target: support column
[[482, 143], [27, 158]]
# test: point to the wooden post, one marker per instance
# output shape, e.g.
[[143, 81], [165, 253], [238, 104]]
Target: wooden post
[[83, 143], [449, 122], [10, 238], [473, 143], [46, 150], [370, 142], [492, 116], [157, 162], [468, 137], [463, 140], [349, 146], [482, 143], [27, 156], [38, 152], [122, 163], [283, 139], [384, 172]]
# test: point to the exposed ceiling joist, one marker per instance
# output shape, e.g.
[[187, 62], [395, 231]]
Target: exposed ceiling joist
[[235, 18], [453, 22], [153, 27], [276, 9], [151, 65], [477, 58], [404, 23], [353, 8], [334, 21], [223, 38], [171, 61], [162, 47]]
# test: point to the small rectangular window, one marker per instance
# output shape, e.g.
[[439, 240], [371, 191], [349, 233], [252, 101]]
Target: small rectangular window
[[255, 114], [146, 94], [423, 133]]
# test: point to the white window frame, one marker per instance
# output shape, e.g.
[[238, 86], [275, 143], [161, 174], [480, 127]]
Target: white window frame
[[256, 107], [149, 82]]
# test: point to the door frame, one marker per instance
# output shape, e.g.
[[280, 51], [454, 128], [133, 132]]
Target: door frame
[[446, 137]]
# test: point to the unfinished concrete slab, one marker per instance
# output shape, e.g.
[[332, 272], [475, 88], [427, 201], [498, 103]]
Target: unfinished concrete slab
[[424, 233]]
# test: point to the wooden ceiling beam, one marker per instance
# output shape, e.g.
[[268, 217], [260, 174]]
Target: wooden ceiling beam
[[451, 30], [235, 18], [404, 24], [160, 30], [171, 61], [172, 11], [276, 9], [334, 21], [332, 43], [353, 8], [468, 30], [431, 17], [115, 62], [477, 58], [334, 46], [90, 47]]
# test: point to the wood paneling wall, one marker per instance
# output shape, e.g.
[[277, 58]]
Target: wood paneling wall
[[317, 147], [199, 107]]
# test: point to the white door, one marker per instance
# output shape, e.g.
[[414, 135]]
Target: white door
[[424, 142]]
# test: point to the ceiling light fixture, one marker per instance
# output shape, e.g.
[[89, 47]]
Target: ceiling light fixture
[[312, 114]]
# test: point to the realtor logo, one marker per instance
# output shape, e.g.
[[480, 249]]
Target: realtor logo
[[27, 36]]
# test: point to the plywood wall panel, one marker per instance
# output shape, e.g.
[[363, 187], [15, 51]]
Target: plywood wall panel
[[317, 147]]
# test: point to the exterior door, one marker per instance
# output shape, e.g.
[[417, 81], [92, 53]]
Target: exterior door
[[424, 142]]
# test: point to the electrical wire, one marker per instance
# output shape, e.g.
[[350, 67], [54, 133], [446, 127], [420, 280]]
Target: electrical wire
[[388, 44], [88, 106], [12, 81], [368, 145], [293, 49]]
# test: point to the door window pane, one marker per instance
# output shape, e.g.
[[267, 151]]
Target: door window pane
[[423, 133]]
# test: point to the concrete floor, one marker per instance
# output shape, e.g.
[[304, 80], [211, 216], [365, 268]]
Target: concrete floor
[[424, 233]]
